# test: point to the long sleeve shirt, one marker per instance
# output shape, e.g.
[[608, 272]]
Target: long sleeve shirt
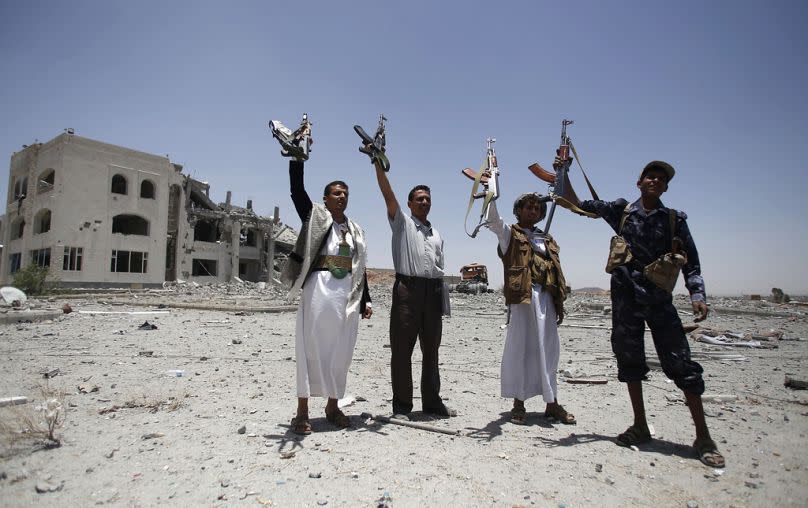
[[300, 197], [648, 236], [303, 206]]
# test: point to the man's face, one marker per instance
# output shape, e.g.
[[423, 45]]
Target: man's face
[[420, 204], [337, 199], [530, 213], [653, 183]]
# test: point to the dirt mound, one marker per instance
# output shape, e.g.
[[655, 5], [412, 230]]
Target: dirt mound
[[381, 276]]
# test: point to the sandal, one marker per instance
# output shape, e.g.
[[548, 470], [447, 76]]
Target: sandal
[[339, 419], [301, 425], [633, 436], [519, 415], [559, 413], [709, 454]]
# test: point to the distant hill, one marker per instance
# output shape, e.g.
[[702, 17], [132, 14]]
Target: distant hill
[[381, 276], [593, 291], [388, 276]]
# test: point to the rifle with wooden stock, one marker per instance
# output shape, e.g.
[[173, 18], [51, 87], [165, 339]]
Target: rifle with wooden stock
[[560, 188], [488, 178]]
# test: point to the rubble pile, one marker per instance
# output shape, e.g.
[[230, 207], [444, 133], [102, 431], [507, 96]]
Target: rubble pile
[[244, 288]]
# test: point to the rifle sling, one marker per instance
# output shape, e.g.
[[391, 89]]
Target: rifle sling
[[488, 195], [573, 207], [588, 183]]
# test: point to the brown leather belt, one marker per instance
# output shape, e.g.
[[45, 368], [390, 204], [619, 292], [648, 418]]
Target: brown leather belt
[[328, 262]]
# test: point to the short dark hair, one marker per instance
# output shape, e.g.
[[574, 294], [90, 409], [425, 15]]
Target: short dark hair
[[327, 189], [417, 188], [530, 198]]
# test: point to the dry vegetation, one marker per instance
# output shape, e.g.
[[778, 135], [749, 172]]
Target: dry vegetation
[[151, 402], [38, 423]]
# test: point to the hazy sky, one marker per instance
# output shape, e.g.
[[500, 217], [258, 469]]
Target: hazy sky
[[715, 88]]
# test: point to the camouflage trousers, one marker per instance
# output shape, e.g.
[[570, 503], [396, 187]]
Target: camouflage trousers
[[628, 343]]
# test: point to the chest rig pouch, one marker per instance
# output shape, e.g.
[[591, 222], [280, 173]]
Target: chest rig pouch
[[619, 253], [664, 271]]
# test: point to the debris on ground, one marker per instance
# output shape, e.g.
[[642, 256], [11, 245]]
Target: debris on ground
[[13, 401], [13, 296], [88, 388], [735, 339], [795, 384]]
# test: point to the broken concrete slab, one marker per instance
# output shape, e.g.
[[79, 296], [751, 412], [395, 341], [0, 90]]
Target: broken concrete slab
[[13, 401], [719, 398], [28, 316]]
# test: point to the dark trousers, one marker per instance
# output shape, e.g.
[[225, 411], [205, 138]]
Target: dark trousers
[[415, 312], [628, 327]]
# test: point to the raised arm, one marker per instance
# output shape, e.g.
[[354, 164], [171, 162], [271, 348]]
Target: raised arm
[[387, 191], [497, 225], [610, 211], [300, 197]]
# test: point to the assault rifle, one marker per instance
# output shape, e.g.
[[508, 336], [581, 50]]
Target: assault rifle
[[488, 177], [297, 144], [560, 188], [374, 147]]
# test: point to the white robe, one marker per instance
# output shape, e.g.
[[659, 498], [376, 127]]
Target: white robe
[[325, 334], [532, 347]]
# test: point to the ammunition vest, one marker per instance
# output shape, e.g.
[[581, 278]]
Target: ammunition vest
[[523, 267]]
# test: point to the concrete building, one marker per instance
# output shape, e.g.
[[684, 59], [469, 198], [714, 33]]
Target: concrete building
[[100, 215]]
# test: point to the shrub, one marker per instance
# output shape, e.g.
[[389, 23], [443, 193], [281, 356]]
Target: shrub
[[31, 279]]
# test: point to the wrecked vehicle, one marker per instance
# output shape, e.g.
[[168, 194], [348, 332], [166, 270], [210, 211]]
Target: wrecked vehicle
[[473, 279]]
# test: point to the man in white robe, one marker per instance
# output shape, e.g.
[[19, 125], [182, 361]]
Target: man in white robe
[[328, 268], [534, 291]]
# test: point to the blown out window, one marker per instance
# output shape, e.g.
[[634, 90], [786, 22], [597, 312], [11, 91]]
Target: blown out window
[[203, 268], [14, 261], [41, 257]]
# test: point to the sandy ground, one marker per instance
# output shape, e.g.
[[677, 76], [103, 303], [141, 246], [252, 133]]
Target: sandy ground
[[219, 434]]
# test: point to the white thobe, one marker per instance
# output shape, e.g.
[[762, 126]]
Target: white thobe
[[532, 347], [325, 334]]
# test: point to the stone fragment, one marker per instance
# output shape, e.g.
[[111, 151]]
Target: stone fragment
[[87, 388], [44, 487]]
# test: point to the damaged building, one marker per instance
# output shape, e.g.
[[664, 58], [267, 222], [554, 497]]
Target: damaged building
[[100, 215]]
